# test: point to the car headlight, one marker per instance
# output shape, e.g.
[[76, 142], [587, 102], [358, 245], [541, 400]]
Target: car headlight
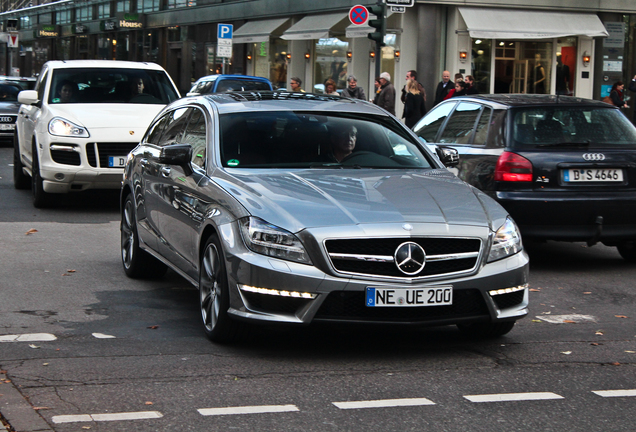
[[267, 239], [62, 127], [507, 241]]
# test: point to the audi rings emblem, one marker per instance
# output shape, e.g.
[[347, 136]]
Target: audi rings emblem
[[6, 119], [594, 156], [410, 258]]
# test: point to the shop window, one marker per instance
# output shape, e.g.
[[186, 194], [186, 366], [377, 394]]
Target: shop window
[[481, 55], [148, 5], [331, 63], [566, 66], [103, 10], [174, 4], [63, 17], [45, 18], [523, 67], [26, 22], [83, 13], [123, 6], [388, 55], [260, 57], [278, 64]]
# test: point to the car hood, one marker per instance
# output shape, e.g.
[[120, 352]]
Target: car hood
[[107, 115], [9, 107], [317, 198]]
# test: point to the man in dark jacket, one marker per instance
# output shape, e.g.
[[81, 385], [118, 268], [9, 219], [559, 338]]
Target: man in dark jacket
[[386, 98], [443, 87], [352, 90]]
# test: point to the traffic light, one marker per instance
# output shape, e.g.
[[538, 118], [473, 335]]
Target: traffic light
[[379, 24]]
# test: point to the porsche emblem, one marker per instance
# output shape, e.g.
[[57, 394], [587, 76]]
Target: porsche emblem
[[131, 132]]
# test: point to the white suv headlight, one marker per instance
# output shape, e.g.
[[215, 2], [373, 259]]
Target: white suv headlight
[[61, 127], [267, 239], [507, 241]]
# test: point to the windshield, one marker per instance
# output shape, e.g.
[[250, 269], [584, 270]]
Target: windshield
[[9, 93], [228, 85], [310, 140], [105, 85], [562, 126]]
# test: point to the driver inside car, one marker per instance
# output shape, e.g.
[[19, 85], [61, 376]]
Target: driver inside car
[[343, 141]]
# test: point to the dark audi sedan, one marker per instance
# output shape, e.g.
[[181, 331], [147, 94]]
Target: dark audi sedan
[[563, 167], [297, 208]]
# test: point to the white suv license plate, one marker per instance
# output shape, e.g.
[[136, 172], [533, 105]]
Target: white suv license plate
[[7, 126], [117, 161], [593, 175], [409, 297]]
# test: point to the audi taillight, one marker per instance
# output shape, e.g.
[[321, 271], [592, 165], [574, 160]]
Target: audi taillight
[[512, 167]]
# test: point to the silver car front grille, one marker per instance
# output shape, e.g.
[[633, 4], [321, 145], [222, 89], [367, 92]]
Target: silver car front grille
[[430, 256]]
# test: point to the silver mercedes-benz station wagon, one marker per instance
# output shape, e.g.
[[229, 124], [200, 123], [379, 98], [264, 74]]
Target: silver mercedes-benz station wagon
[[299, 208]]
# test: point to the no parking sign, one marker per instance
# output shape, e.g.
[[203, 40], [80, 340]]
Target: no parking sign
[[358, 15]]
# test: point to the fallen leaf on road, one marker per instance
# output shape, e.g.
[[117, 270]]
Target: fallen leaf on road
[[86, 427], [599, 332], [45, 364], [596, 343], [148, 403], [41, 408], [620, 316], [587, 292], [3, 371], [615, 364], [631, 352], [566, 352], [535, 289], [154, 327], [31, 231], [71, 271], [569, 321], [537, 321], [33, 346]]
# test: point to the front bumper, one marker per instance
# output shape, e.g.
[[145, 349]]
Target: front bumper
[[342, 298]]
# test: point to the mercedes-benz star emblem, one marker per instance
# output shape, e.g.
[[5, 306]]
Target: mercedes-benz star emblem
[[410, 258]]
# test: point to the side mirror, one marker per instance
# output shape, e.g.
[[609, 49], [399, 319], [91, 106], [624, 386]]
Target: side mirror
[[448, 155], [177, 154], [28, 97]]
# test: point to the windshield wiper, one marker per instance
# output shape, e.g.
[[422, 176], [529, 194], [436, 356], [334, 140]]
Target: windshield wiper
[[585, 143]]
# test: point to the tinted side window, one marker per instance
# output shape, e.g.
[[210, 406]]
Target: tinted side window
[[173, 132], [459, 128], [195, 135], [229, 85], [155, 131], [481, 132], [428, 127]]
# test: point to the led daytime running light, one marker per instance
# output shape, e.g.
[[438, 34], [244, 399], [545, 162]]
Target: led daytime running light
[[508, 290], [281, 293]]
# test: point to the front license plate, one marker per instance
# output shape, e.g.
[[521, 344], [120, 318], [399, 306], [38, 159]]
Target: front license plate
[[7, 126], [593, 175], [116, 161], [405, 297]]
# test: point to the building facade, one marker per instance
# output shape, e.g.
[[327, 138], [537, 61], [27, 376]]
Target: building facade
[[558, 47]]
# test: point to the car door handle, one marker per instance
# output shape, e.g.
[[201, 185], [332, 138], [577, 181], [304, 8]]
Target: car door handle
[[165, 171]]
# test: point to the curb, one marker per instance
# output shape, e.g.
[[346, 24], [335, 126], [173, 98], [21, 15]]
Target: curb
[[18, 412]]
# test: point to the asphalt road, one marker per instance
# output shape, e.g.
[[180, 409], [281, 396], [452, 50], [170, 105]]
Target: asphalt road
[[82, 347]]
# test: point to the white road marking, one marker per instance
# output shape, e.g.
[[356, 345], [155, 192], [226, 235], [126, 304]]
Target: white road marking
[[615, 393], [507, 397], [248, 410], [140, 415], [384, 403], [561, 319], [103, 336], [29, 337]]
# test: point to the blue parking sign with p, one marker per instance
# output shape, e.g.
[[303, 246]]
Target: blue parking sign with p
[[224, 31]]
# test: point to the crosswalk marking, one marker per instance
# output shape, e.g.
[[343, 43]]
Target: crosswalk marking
[[384, 403], [507, 397], [247, 410], [615, 393], [140, 415], [29, 337]]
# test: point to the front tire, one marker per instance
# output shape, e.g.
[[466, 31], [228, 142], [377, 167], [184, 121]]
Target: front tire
[[21, 181], [41, 199], [627, 251], [137, 262], [486, 330], [214, 297]]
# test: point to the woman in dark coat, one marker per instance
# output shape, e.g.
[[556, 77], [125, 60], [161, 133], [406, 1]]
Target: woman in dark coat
[[616, 94], [414, 108]]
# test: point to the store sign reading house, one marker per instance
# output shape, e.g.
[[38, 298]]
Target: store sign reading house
[[130, 21], [46, 31]]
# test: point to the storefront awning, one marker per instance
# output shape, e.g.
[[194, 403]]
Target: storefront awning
[[257, 31], [315, 26], [491, 23]]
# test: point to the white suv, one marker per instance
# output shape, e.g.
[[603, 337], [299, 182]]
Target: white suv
[[75, 130]]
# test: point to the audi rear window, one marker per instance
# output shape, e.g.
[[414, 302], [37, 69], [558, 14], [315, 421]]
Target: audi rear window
[[567, 126]]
